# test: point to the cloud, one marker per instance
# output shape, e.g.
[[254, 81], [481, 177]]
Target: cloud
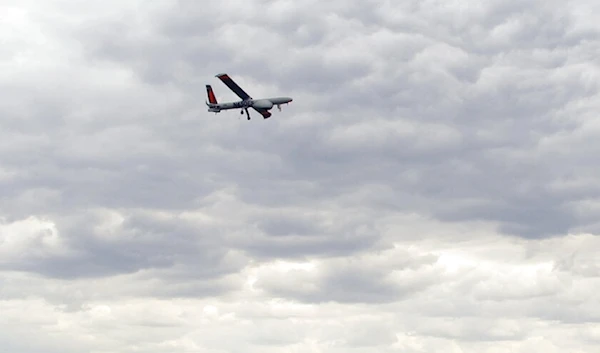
[[368, 278], [432, 187]]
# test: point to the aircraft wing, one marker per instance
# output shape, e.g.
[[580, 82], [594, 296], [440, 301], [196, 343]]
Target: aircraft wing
[[265, 113], [233, 86]]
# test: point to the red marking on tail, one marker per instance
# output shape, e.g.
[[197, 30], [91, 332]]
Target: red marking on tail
[[211, 95]]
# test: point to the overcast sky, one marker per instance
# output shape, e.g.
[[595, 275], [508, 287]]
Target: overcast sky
[[433, 187]]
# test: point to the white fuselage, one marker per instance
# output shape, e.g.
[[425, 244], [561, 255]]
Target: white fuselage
[[264, 103]]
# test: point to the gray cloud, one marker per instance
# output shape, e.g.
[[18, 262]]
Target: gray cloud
[[357, 280], [432, 184], [105, 244]]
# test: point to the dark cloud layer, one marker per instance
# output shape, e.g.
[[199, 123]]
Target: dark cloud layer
[[450, 101]]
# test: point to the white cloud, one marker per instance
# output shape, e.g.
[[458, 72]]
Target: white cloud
[[30, 238]]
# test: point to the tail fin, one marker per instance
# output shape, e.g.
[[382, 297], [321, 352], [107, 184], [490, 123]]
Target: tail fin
[[211, 95]]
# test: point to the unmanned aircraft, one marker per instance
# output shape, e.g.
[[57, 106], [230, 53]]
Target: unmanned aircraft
[[260, 105]]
